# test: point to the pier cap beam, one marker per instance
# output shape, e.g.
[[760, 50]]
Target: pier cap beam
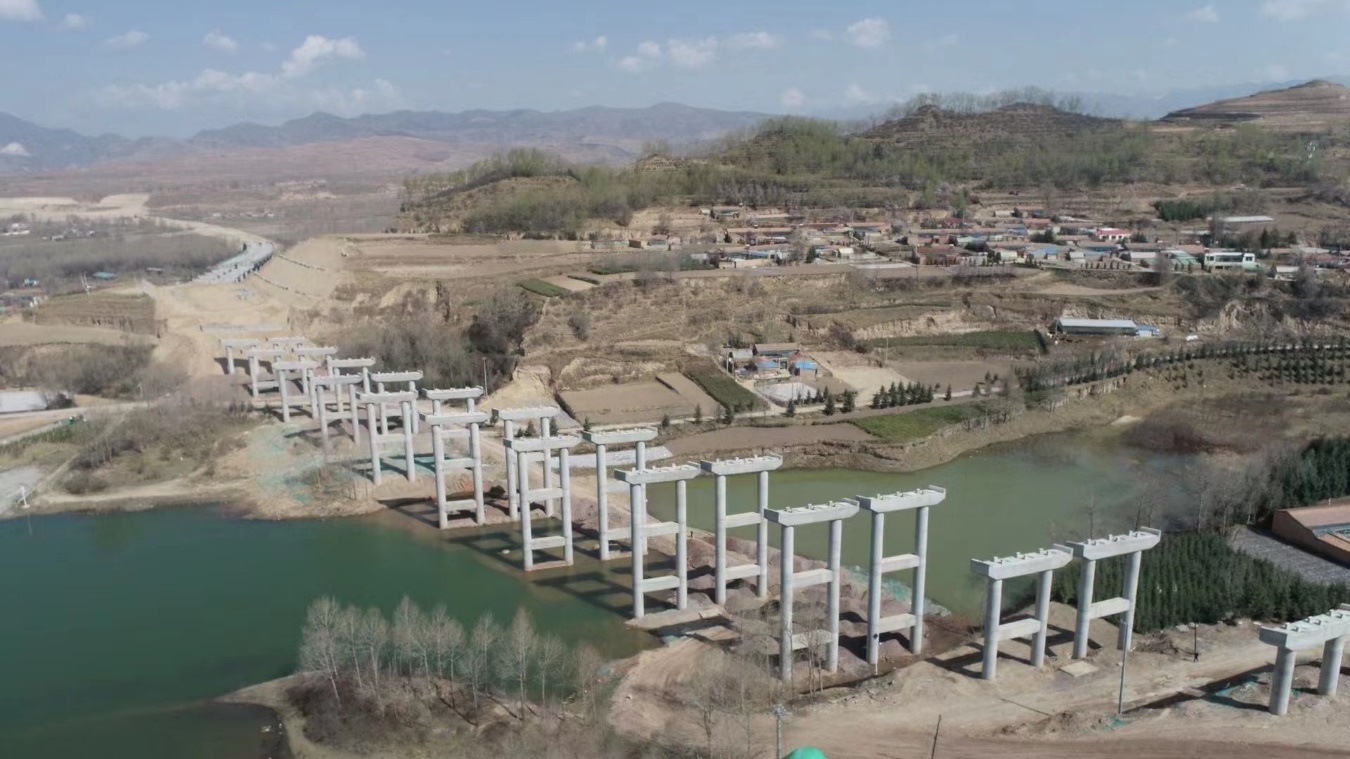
[[457, 420], [393, 377], [240, 342], [319, 351], [390, 398], [264, 353], [659, 474], [453, 394], [1116, 545], [620, 437], [1313, 631], [337, 380], [295, 366], [1022, 564], [527, 414], [813, 514], [289, 342], [541, 444], [913, 499], [729, 467], [352, 363]]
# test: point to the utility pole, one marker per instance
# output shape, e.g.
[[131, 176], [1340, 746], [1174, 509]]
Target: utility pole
[[938, 731]]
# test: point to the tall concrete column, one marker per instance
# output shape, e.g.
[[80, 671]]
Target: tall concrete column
[[565, 482], [384, 411], [640, 455], [1126, 629], [993, 612], [355, 412], [787, 550], [602, 499], [285, 395], [374, 446], [874, 586], [1282, 681], [512, 499], [253, 376], [720, 538], [1042, 616], [832, 602], [438, 451], [526, 531], [323, 424], [637, 516], [1332, 652], [545, 429], [682, 544], [762, 537], [229, 360], [476, 452], [409, 457], [917, 605], [1085, 582], [416, 418]]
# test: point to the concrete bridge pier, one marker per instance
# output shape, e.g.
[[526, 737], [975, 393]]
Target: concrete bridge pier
[[1131, 544], [918, 501], [1041, 564], [722, 523], [1329, 630]]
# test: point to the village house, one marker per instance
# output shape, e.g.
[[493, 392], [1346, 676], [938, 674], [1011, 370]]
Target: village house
[[1110, 234]]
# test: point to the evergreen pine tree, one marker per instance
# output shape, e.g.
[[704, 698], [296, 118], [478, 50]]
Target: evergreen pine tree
[[829, 404], [948, 395]]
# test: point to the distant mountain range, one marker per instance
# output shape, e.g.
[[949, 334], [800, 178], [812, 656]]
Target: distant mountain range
[[27, 147], [419, 140]]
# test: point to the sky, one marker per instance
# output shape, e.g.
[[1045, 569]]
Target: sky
[[172, 67]]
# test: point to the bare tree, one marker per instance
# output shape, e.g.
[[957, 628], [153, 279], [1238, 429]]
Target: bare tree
[[319, 651], [373, 638], [479, 660], [585, 670], [550, 657], [516, 655]]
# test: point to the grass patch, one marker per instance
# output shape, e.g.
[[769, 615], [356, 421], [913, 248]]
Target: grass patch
[[723, 389], [907, 426], [582, 278], [546, 289], [1007, 341]]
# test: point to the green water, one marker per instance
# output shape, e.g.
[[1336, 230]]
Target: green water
[[114, 629], [1000, 501]]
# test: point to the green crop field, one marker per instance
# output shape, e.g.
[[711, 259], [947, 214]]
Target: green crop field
[[722, 387], [906, 426], [546, 289], [1008, 341]]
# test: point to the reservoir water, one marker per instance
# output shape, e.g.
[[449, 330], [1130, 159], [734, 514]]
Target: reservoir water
[[116, 630]]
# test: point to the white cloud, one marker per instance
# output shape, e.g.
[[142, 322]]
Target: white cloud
[[285, 87], [220, 42], [856, 95], [596, 45], [870, 32], [75, 21], [20, 10], [1206, 14], [132, 39], [692, 54], [792, 98], [648, 54], [1275, 73], [1297, 10], [315, 49], [15, 149], [753, 41]]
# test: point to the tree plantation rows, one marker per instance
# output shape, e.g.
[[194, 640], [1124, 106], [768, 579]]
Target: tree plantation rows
[[401, 668], [1198, 578], [1274, 362]]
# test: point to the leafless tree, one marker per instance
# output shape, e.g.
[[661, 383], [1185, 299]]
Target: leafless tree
[[585, 670], [319, 647], [373, 639], [479, 659], [550, 657], [516, 655]]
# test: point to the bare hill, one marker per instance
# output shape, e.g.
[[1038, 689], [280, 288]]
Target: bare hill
[[1311, 107]]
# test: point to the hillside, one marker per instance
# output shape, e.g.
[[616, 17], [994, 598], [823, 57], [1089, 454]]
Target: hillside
[[1315, 106], [931, 127]]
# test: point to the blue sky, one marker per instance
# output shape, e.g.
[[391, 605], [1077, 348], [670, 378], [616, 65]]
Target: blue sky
[[175, 66]]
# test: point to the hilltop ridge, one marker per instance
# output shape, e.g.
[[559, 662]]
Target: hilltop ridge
[[1309, 107]]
